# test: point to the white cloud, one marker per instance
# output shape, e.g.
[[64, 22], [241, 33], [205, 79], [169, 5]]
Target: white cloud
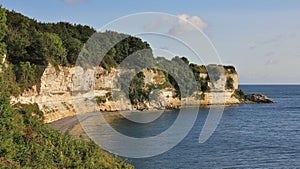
[[177, 25], [186, 23]]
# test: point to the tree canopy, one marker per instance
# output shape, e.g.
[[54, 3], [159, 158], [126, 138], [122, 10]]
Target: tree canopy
[[3, 29]]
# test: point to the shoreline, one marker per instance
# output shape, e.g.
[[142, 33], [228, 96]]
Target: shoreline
[[149, 110], [71, 125]]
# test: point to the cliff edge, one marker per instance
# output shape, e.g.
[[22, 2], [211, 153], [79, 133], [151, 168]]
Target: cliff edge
[[56, 92]]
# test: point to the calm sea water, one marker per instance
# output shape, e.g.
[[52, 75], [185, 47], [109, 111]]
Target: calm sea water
[[249, 135]]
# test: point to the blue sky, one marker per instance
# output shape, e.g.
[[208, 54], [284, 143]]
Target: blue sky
[[261, 38]]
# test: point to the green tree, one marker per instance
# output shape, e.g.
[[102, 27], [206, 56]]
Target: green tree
[[179, 75], [73, 47], [8, 81], [229, 83], [203, 85], [19, 36], [239, 94], [26, 75], [51, 47], [138, 93], [3, 30], [185, 60]]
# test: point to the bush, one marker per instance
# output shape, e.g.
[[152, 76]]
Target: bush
[[138, 93], [26, 142], [229, 83], [100, 99], [239, 94]]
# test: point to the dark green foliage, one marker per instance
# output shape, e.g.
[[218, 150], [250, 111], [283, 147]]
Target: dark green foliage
[[138, 60], [179, 75], [137, 91], [72, 36], [185, 60], [203, 85], [229, 83], [100, 99], [66, 30], [109, 96], [127, 46], [49, 47], [140, 92], [103, 99], [198, 68], [32, 109], [239, 94], [20, 35], [40, 43], [230, 69], [3, 31], [25, 75], [73, 47], [201, 82], [8, 81], [109, 49]]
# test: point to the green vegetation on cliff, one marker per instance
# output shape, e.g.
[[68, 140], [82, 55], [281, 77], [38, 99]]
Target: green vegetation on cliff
[[229, 83], [109, 49], [239, 94], [26, 142], [31, 45], [3, 29]]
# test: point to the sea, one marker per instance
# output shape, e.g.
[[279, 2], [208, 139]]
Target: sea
[[247, 136]]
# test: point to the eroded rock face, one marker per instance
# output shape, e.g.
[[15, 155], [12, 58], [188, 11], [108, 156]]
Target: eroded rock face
[[53, 95], [258, 98], [154, 76], [72, 90]]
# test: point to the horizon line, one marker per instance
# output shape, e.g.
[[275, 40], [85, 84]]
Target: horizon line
[[269, 84]]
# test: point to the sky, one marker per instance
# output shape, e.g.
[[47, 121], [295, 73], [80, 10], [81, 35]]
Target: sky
[[261, 38]]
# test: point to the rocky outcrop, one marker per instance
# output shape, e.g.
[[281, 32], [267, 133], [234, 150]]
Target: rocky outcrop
[[53, 95], [257, 98], [66, 91]]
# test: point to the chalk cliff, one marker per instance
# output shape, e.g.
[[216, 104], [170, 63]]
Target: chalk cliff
[[61, 89]]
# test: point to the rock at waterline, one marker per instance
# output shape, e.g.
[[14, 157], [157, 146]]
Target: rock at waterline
[[258, 98]]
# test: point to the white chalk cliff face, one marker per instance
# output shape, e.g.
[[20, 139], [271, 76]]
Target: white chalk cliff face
[[64, 93], [53, 95]]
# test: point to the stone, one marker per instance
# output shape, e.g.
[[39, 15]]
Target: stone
[[258, 98]]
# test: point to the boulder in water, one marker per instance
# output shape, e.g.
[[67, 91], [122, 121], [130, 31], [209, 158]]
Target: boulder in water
[[258, 98]]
